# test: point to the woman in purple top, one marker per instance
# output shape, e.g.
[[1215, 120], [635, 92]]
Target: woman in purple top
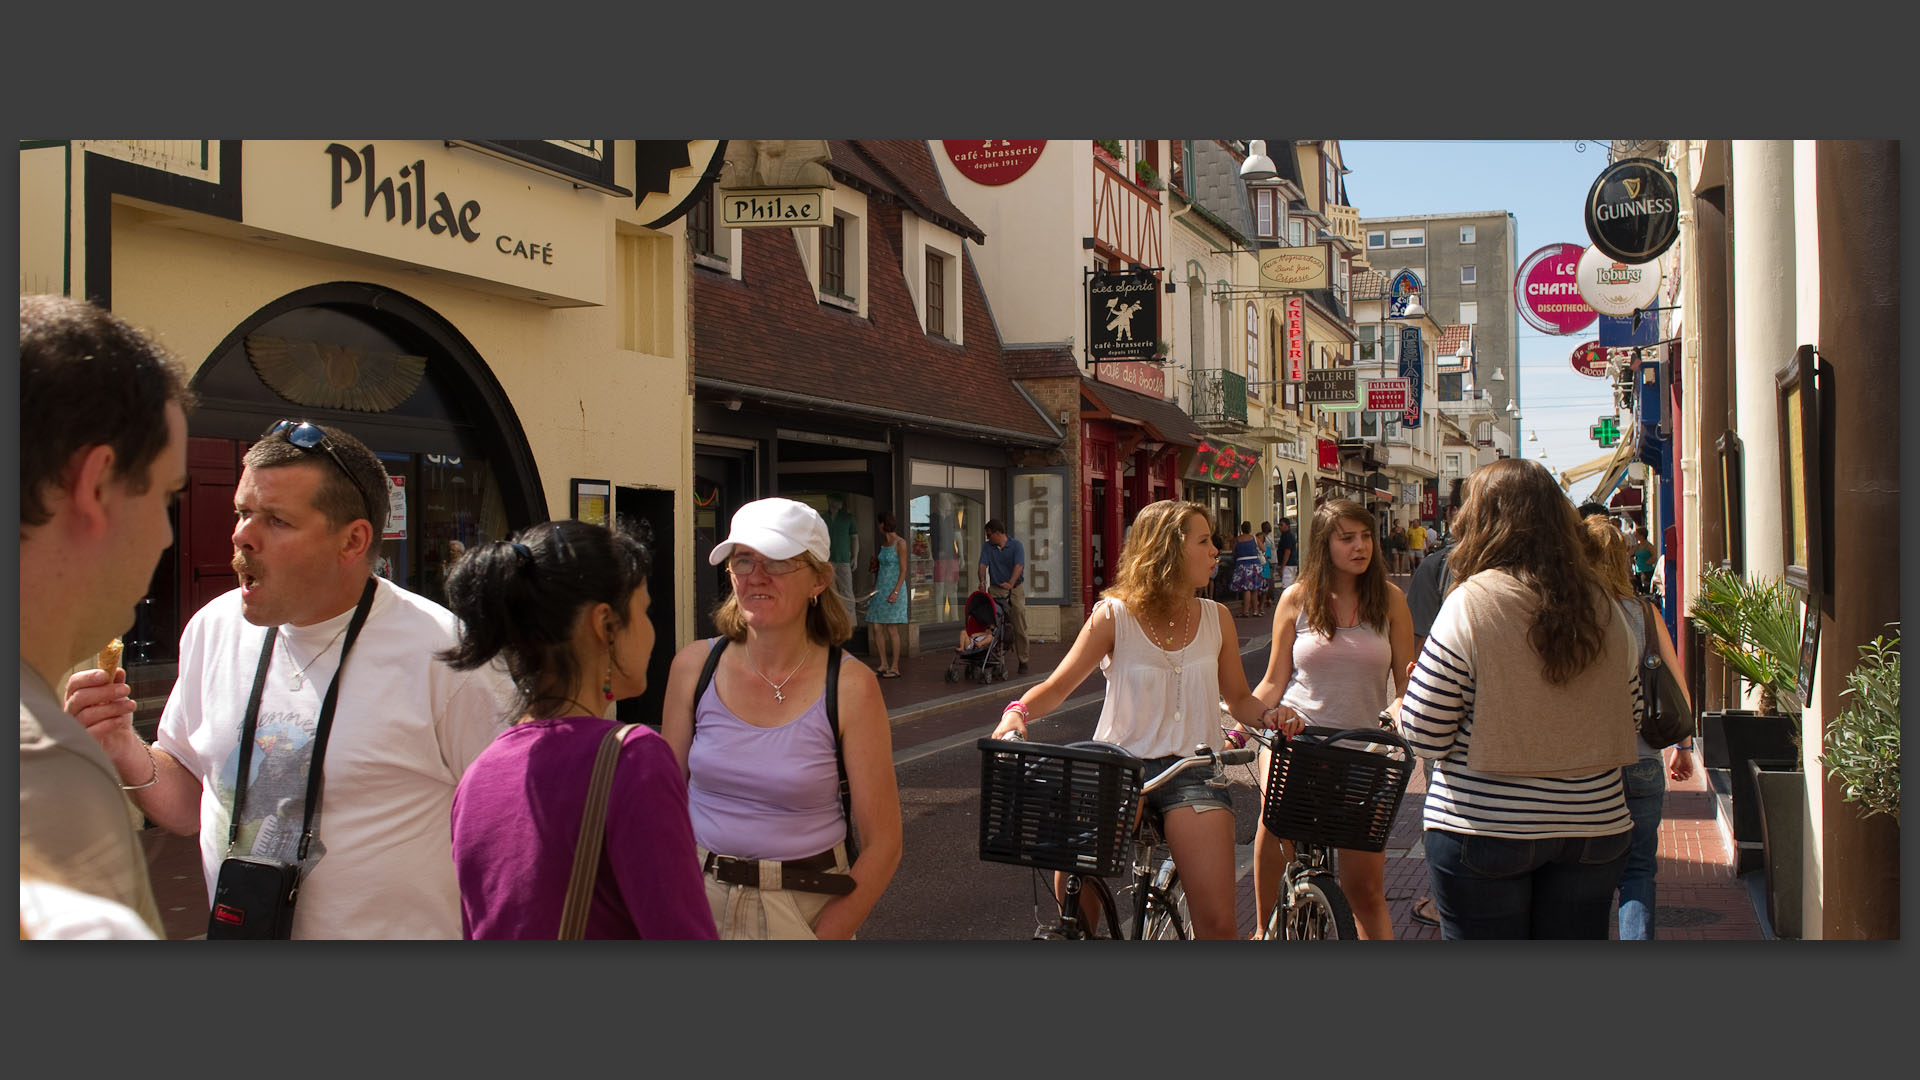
[[763, 781], [1342, 641], [565, 605]]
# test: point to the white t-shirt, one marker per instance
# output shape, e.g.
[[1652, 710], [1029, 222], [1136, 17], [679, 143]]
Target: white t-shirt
[[405, 727], [1160, 703], [51, 912]]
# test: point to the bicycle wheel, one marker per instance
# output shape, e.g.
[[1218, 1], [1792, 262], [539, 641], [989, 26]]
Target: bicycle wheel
[[1167, 915], [1318, 911]]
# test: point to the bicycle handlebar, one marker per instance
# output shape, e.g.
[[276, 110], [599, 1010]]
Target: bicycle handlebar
[[1202, 755]]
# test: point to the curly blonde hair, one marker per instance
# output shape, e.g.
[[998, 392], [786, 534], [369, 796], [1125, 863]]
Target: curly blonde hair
[[1148, 578], [1607, 551]]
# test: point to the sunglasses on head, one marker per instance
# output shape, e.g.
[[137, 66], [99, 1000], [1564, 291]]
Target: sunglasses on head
[[308, 436]]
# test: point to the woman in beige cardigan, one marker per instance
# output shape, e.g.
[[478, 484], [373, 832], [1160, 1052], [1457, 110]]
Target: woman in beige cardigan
[[1526, 694]]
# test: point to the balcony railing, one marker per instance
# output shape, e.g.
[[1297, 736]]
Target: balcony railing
[[1219, 397]]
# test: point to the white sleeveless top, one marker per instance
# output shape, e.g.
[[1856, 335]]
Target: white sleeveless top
[[1342, 681], [1160, 703]]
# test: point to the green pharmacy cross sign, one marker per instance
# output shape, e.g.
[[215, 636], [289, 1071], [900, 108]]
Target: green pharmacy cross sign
[[1606, 432]]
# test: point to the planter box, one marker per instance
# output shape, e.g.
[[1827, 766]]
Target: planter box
[[1781, 789], [1730, 740]]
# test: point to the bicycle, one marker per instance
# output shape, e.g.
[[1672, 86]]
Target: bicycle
[[1080, 810], [1322, 797]]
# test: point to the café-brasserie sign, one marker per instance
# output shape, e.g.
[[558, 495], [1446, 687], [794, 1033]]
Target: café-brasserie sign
[[1123, 315]]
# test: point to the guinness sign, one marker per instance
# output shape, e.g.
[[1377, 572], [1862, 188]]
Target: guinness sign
[[1633, 211]]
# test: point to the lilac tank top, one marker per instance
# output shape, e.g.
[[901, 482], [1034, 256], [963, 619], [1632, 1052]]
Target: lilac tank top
[[763, 793], [1343, 681]]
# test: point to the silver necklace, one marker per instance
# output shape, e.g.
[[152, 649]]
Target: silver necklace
[[299, 669], [777, 695], [1179, 659]]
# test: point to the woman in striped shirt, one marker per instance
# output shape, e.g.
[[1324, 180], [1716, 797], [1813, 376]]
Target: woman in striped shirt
[[1527, 695]]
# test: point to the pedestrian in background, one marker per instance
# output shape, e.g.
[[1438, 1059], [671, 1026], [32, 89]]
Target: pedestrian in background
[[1003, 574], [1646, 779], [1264, 595], [1287, 548], [1342, 640], [103, 452], [763, 756], [1416, 545], [1430, 583], [887, 611], [1170, 659], [1643, 556], [565, 603], [1397, 547], [1527, 693], [1246, 569]]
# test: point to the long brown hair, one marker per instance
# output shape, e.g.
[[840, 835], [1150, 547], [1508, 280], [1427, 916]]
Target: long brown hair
[[1148, 578], [1316, 569], [1516, 519], [1607, 550]]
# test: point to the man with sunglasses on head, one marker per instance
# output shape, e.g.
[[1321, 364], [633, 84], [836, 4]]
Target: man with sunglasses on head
[[309, 512]]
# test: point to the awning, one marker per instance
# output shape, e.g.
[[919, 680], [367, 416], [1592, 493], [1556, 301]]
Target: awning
[[1612, 468]]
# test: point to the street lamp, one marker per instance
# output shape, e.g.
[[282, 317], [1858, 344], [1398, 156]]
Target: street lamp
[[1258, 165]]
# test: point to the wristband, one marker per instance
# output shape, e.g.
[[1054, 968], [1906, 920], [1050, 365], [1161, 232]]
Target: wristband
[[1018, 706], [152, 765]]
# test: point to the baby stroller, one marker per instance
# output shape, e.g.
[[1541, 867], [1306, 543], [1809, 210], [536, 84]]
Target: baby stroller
[[986, 660]]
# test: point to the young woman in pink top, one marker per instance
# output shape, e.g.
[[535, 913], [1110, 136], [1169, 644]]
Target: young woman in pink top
[[1342, 641]]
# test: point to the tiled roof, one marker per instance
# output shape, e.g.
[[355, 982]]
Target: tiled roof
[[769, 331], [1452, 337], [1217, 188], [1041, 362], [1369, 285], [904, 169], [1167, 421]]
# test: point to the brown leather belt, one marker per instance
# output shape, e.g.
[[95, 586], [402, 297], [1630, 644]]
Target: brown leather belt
[[815, 873]]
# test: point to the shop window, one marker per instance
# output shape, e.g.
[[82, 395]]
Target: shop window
[[946, 519]]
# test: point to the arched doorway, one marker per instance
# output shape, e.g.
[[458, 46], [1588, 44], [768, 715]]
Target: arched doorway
[[397, 376]]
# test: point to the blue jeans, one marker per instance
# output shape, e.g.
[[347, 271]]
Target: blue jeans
[[1646, 783], [1509, 887]]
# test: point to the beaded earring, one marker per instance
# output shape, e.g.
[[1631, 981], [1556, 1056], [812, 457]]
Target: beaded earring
[[606, 688]]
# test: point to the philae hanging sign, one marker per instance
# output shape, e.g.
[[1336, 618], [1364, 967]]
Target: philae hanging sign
[[1633, 210]]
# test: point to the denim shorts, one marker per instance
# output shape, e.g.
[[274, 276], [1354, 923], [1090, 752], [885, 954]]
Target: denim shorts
[[1190, 788]]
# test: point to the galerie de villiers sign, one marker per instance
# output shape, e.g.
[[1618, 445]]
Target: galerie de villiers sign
[[1633, 211], [993, 161], [1410, 370], [1546, 289], [502, 227], [1123, 315], [1331, 388]]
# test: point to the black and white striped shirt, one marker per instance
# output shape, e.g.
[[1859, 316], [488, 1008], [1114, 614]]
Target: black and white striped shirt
[[1436, 717]]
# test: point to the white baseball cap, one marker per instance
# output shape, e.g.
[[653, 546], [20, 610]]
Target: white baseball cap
[[776, 528]]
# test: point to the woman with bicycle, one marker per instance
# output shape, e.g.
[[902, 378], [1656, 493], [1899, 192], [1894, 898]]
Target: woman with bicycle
[[1342, 640], [754, 730], [1527, 693], [1170, 658]]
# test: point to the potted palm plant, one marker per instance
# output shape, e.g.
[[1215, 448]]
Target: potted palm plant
[[1753, 625]]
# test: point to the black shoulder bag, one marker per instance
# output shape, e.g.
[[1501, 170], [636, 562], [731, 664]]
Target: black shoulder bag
[[254, 895], [833, 724], [1664, 717]]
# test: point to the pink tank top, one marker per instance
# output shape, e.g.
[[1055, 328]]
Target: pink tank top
[[1343, 681]]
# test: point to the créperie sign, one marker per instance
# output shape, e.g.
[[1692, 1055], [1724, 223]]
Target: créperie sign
[[773, 208], [403, 196]]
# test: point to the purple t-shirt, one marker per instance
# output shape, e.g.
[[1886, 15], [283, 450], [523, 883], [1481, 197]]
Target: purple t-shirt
[[516, 820]]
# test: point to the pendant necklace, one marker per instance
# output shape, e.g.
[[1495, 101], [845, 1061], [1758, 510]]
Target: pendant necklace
[[299, 669], [777, 695]]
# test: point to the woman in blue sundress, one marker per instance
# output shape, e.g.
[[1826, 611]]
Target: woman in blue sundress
[[1246, 568], [887, 611]]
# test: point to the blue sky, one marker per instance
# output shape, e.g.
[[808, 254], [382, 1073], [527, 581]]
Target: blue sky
[[1543, 183]]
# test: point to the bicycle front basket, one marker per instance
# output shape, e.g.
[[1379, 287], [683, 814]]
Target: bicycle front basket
[[1336, 796], [1057, 807]]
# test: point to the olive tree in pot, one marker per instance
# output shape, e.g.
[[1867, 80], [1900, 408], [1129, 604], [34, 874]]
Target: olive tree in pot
[[1862, 758], [1753, 625]]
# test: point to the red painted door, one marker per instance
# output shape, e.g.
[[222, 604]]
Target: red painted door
[[206, 522]]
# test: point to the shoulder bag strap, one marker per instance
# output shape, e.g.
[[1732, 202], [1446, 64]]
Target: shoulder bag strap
[[247, 727], [593, 823], [839, 757], [706, 679], [325, 726]]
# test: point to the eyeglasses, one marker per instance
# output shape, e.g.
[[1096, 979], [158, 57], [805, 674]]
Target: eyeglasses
[[742, 565], [309, 437]]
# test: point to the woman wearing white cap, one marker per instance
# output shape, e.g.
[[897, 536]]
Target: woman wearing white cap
[[776, 800]]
